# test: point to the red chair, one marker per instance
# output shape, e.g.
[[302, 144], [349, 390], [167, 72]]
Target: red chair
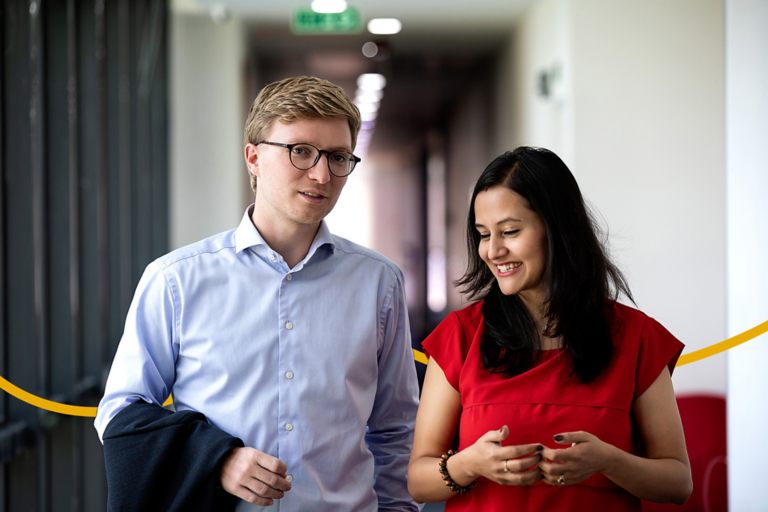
[[703, 418]]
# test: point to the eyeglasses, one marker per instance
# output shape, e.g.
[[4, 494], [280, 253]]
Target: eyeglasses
[[305, 156]]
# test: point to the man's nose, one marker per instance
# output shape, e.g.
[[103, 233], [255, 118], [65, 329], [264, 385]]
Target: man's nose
[[320, 172]]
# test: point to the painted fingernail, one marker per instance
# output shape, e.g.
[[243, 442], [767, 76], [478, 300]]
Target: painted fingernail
[[558, 438], [539, 448]]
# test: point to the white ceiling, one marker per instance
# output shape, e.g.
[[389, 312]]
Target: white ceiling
[[444, 46], [415, 14]]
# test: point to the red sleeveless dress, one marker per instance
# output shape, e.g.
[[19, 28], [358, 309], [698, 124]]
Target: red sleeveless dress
[[547, 400]]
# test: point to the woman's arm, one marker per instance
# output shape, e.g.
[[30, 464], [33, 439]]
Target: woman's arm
[[663, 474], [436, 423]]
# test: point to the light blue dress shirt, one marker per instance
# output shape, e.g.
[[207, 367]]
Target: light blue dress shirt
[[311, 364]]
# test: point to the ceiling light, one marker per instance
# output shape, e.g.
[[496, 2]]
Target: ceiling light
[[368, 116], [370, 49], [384, 26], [329, 6], [369, 96], [368, 108], [371, 81]]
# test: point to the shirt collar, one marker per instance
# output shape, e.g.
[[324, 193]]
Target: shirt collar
[[246, 236]]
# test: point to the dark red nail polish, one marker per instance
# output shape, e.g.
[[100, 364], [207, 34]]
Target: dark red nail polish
[[558, 438], [539, 448]]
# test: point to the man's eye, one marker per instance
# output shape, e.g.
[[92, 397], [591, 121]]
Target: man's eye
[[301, 150], [340, 158]]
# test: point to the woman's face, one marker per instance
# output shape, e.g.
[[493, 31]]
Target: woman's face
[[513, 243]]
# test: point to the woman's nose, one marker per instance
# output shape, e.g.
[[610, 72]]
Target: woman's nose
[[495, 248]]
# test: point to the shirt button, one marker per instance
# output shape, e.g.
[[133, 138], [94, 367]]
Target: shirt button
[[272, 256], [289, 426], [289, 277], [289, 477], [289, 375], [289, 325]]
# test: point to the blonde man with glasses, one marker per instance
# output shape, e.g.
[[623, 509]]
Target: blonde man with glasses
[[287, 349]]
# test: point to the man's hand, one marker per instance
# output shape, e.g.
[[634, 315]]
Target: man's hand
[[254, 476]]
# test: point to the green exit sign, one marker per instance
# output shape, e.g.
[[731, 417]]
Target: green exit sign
[[307, 21]]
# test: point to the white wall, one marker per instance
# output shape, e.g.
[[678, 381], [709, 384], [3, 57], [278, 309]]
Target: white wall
[[639, 118], [747, 171], [540, 44], [208, 176]]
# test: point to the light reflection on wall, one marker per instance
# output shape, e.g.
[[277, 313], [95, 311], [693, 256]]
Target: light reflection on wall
[[351, 218]]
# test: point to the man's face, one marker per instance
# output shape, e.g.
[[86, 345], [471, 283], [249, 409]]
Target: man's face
[[287, 197]]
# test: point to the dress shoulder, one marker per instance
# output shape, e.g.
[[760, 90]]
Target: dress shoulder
[[653, 346], [449, 343]]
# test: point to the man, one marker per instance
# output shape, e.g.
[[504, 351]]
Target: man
[[277, 335]]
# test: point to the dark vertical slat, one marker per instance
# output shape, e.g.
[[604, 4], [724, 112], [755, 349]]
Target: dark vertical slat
[[141, 41], [114, 144], [159, 135], [73, 192], [3, 286], [39, 239], [56, 157], [102, 218], [124, 149], [73, 142], [21, 472]]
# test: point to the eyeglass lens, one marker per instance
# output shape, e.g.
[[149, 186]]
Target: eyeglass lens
[[304, 156]]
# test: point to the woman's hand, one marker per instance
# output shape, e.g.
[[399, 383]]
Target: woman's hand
[[585, 456], [505, 465]]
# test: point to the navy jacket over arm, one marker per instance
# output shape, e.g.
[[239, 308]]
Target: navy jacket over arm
[[160, 460]]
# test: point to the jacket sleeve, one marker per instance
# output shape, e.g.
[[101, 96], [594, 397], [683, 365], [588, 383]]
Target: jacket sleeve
[[160, 460]]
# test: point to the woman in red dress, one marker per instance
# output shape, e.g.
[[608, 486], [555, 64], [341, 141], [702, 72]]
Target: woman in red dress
[[545, 393]]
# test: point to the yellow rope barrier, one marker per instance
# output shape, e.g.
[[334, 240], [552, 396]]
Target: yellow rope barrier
[[419, 356], [724, 345]]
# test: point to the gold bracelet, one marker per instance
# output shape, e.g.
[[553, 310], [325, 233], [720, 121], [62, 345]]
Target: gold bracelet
[[449, 482]]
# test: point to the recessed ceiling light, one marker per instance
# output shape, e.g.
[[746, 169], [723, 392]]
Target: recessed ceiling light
[[369, 96], [370, 49], [329, 6], [384, 26], [371, 81]]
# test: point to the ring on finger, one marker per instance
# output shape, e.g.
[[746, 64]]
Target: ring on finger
[[506, 469], [561, 480]]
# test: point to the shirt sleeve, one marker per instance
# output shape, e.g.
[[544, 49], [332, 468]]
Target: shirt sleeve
[[658, 348], [144, 364], [390, 427], [447, 346]]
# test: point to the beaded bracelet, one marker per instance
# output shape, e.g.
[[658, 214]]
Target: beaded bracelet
[[443, 468]]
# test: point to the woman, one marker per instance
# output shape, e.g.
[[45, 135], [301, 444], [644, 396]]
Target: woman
[[556, 396]]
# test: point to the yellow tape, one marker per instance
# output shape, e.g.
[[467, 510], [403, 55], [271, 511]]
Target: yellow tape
[[419, 356], [42, 403], [724, 345]]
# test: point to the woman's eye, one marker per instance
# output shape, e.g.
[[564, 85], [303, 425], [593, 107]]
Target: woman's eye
[[511, 232], [484, 236]]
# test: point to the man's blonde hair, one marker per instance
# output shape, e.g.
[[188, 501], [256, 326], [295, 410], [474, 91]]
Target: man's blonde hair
[[292, 99]]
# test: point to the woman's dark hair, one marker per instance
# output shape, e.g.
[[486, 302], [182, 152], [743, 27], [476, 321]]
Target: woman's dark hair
[[582, 277]]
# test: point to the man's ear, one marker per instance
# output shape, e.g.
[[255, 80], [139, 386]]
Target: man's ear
[[251, 159]]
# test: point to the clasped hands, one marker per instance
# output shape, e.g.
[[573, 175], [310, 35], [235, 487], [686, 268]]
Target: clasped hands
[[583, 455]]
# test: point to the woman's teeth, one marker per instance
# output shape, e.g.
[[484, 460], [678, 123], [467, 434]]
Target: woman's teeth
[[508, 267]]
